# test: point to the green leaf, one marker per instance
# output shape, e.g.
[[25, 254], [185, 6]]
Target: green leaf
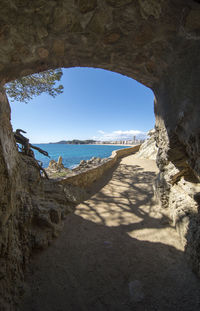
[[26, 88]]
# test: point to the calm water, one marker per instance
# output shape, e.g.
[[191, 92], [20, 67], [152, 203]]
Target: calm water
[[73, 154]]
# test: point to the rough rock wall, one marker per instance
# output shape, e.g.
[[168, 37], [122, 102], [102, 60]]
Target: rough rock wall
[[10, 254], [177, 188], [178, 138], [137, 38], [31, 210], [148, 150], [154, 42]]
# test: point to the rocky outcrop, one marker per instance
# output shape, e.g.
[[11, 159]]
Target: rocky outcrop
[[32, 210], [85, 164], [87, 172], [148, 150], [57, 169], [177, 188], [155, 42], [178, 191]]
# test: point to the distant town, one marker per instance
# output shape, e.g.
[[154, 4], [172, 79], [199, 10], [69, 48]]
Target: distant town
[[133, 141]]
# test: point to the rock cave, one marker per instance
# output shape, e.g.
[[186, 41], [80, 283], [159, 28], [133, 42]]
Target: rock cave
[[154, 42]]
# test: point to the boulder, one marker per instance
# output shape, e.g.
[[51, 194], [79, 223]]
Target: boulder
[[60, 164]]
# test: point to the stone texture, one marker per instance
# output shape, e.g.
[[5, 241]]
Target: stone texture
[[155, 42], [73, 33], [31, 211], [148, 150], [192, 20], [87, 5], [136, 291], [60, 161], [151, 8], [118, 3]]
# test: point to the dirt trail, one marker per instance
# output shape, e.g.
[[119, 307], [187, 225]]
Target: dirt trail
[[117, 252]]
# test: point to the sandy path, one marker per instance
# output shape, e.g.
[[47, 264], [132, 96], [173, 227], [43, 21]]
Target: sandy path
[[115, 253]]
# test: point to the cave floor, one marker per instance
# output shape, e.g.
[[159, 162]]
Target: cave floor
[[116, 252]]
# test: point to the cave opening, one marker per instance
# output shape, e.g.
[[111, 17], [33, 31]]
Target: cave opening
[[156, 43], [96, 105]]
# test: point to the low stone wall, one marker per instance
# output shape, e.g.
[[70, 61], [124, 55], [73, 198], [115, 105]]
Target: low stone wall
[[85, 179]]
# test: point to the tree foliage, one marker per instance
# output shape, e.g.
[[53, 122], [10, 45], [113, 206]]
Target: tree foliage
[[25, 88]]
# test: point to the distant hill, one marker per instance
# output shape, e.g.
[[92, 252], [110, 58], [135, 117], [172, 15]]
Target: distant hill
[[75, 142]]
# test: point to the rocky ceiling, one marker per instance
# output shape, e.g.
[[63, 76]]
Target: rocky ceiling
[[138, 38]]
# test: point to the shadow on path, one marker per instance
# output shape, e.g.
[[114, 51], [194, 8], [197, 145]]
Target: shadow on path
[[115, 253], [129, 193]]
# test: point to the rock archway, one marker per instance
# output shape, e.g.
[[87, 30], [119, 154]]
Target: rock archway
[[154, 42]]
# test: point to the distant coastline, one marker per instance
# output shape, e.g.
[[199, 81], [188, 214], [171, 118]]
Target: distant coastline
[[93, 142], [75, 142], [115, 144]]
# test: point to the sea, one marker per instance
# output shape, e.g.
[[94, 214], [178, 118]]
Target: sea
[[73, 154]]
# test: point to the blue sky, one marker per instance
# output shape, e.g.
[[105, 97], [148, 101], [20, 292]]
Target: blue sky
[[95, 104]]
